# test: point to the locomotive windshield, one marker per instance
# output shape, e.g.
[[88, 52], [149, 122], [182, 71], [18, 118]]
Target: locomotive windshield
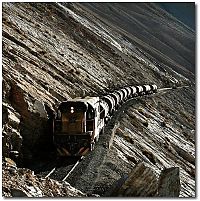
[[72, 107]]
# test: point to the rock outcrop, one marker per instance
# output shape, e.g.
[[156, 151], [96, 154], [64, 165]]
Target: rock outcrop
[[142, 181], [22, 182], [169, 183]]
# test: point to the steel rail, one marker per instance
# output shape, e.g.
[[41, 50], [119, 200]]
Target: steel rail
[[73, 168]]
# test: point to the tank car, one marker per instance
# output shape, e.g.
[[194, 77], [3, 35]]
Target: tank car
[[128, 89], [146, 89], [121, 95], [125, 94], [133, 91], [117, 99], [111, 103], [139, 90], [154, 88]]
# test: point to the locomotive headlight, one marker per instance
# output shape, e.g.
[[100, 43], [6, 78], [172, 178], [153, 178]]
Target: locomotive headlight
[[72, 109]]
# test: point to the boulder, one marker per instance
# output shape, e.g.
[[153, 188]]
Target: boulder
[[169, 183], [141, 182]]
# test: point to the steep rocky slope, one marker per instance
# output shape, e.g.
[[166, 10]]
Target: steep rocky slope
[[152, 29], [56, 51]]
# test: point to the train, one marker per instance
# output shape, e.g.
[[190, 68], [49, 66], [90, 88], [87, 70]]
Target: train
[[79, 122]]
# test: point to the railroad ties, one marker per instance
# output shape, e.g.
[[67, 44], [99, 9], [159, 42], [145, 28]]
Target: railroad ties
[[66, 175]]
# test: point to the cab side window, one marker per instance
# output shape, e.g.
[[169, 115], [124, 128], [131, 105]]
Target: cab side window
[[90, 114]]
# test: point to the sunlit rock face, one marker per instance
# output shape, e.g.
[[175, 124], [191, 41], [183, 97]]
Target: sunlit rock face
[[56, 51]]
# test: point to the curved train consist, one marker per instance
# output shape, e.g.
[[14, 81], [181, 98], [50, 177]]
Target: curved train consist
[[79, 122]]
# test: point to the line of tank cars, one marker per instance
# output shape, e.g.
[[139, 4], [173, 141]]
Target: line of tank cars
[[79, 122]]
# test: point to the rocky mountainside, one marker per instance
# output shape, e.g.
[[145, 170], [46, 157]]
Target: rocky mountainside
[[56, 51]]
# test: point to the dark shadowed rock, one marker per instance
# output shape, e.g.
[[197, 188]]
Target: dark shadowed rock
[[18, 193], [113, 191], [169, 183], [18, 101], [24, 117]]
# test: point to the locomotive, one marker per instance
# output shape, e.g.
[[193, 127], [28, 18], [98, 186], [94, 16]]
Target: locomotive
[[79, 122]]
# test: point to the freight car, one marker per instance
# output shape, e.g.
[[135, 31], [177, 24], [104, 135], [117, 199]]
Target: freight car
[[79, 122]]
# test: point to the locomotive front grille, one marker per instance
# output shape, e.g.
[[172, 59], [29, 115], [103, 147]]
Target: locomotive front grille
[[73, 143]]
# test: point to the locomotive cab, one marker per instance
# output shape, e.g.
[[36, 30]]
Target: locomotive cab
[[77, 125]]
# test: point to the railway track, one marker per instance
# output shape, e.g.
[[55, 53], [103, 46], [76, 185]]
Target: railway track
[[170, 88], [61, 173]]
